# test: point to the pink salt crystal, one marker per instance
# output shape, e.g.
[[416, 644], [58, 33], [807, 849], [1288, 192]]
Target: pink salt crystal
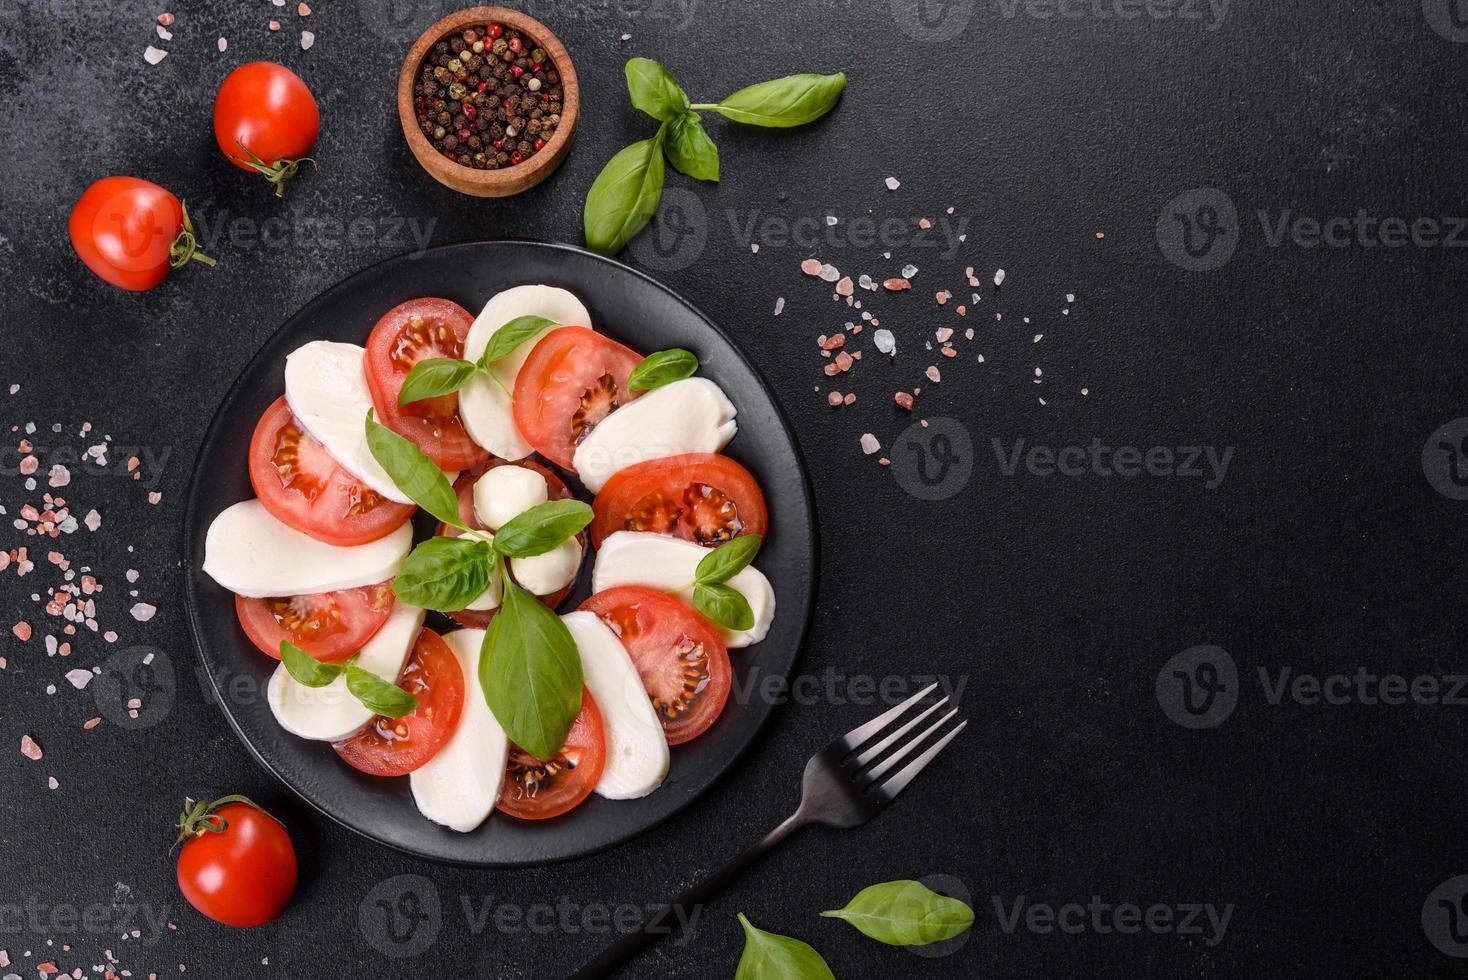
[[29, 748]]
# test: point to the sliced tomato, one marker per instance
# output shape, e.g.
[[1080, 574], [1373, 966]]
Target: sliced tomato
[[304, 487], [407, 334], [464, 486], [397, 746], [536, 790], [701, 497], [330, 626], [680, 656], [573, 378]]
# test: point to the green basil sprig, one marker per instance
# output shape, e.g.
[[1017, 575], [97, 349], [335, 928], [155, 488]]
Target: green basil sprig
[[905, 913], [625, 194], [435, 376], [541, 528], [376, 694], [446, 573], [770, 956], [720, 603], [530, 671], [413, 472], [662, 367]]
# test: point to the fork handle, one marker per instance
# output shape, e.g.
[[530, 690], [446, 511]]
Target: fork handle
[[656, 926]]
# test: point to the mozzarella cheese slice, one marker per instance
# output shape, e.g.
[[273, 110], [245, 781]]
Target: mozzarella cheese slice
[[458, 787], [504, 493], [254, 555], [330, 713], [637, 750], [667, 563], [688, 416], [326, 389], [486, 407]]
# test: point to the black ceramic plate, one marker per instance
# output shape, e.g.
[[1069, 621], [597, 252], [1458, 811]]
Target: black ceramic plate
[[635, 310]]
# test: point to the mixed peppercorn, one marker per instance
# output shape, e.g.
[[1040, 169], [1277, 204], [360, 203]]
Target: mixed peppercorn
[[488, 97]]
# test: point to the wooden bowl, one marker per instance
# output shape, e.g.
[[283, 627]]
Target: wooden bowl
[[506, 180]]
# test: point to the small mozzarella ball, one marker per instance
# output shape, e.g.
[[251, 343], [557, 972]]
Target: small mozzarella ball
[[506, 492], [550, 572]]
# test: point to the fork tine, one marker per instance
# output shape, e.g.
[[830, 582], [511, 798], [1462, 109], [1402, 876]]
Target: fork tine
[[886, 764], [881, 746], [898, 783], [860, 734]]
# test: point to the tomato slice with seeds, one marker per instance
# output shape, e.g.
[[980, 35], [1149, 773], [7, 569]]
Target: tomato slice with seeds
[[573, 378], [680, 656], [397, 746], [304, 487], [700, 497], [534, 789], [406, 334], [330, 626], [556, 489]]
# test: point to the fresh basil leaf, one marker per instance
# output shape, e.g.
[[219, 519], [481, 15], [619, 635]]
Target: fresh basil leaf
[[905, 913], [624, 195], [727, 560], [770, 956], [435, 376], [724, 605], [413, 472], [531, 673], [306, 669], [690, 150], [541, 528], [790, 101], [503, 341], [662, 367], [445, 573], [654, 90], [377, 695]]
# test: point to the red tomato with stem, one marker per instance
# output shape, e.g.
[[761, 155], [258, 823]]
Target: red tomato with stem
[[237, 865], [406, 334], [131, 232], [304, 487], [573, 378], [397, 746], [680, 656], [330, 626], [266, 120], [700, 497], [534, 789], [464, 487]]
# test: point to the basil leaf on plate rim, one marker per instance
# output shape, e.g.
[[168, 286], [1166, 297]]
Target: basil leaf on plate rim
[[905, 913], [530, 671], [413, 472], [771, 956], [662, 367]]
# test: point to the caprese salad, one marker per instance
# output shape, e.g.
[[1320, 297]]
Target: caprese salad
[[479, 421]]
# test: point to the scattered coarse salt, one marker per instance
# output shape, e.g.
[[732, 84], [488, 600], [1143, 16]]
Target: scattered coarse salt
[[626, 37], [1037, 338], [829, 272], [811, 267], [924, 224], [753, 247], [14, 389], [79, 678], [845, 287], [942, 296], [999, 278], [933, 374], [1085, 391], [303, 9], [51, 782], [164, 32], [830, 220], [143, 612], [223, 43], [30, 749], [166, 19], [833, 399], [154, 55], [154, 496], [93, 520], [91, 723], [274, 25], [59, 476], [903, 400], [869, 443], [893, 183], [307, 39], [896, 285], [884, 341], [22, 631], [909, 270], [779, 305], [132, 574]]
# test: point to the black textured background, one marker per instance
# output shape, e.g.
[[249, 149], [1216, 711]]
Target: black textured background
[[1055, 600]]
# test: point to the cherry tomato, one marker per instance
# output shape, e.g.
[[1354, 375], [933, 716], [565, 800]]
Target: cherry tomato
[[304, 487], [266, 120], [237, 864], [464, 487], [330, 626], [680, 656], [406, 334], [537, 790], [700, 497], [397, 746], [131, 232], [573, 378]]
